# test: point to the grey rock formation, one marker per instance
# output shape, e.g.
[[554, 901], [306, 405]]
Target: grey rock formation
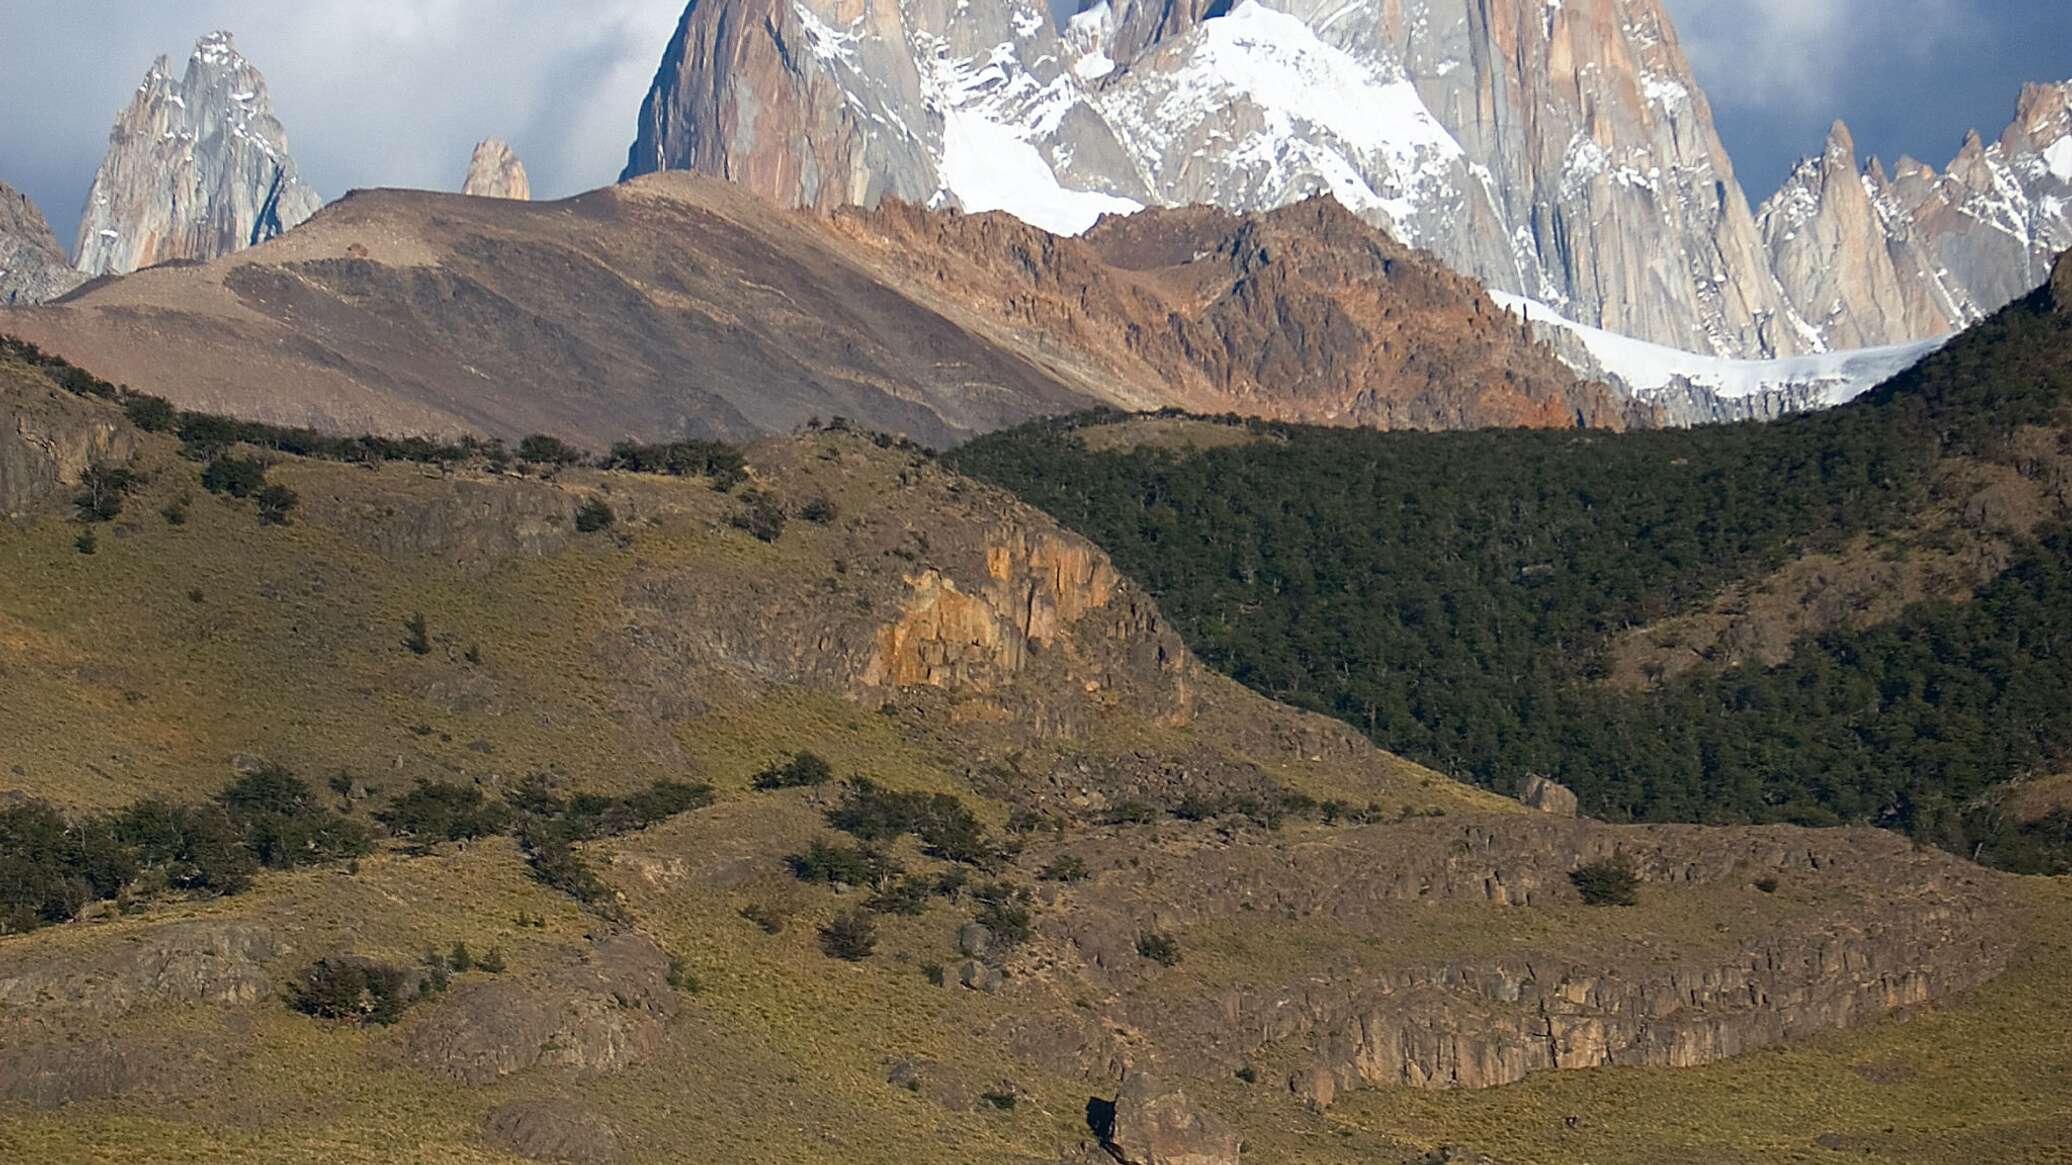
[[33, 268], [596, 1016], [1875, 258], [496, 172], [197, 167], [1561, 151]]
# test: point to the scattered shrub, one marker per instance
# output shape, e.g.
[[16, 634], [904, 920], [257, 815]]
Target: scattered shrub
[[275, 503], [1611, 882], [175, 512], [934, 973], [760, 516], [594, 515], [102, 489], [240, 477], [1066, 868], [1004, 910], [819, 510], [150, 413], [86, 543], [712, 459], [834, 864], [908, 896], [443, 811], [491, 961], [352, 989], [852, 936], [804, 770], [1002, 1100], [766, 917], [460, 958], [541, 449], [1162, 949], [681, 978], [1766, 885], [944, 826], [417, 635]]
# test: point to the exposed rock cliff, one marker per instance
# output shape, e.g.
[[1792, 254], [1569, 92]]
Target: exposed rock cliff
[[49, 438], [197, 167], [496, 172], [32, 266], [1838, 950]]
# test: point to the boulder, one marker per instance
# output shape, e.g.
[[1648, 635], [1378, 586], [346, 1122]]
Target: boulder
[[1549, 796], [1154, 1123], [553, 1130], [979, 977]]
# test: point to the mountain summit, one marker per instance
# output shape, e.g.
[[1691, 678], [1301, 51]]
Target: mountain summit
[[1559, 152], [197, 167]]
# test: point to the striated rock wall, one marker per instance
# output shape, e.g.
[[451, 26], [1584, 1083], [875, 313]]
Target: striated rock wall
[[197, 167]]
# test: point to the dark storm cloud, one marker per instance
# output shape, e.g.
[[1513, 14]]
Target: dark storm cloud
[[1909, 76], [395, 92]]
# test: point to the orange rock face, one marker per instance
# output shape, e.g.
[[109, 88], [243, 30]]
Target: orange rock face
[[1302, 314]]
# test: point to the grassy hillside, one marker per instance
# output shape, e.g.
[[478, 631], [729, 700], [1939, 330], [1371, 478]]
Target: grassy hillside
[[905, 624], [1475, 600]]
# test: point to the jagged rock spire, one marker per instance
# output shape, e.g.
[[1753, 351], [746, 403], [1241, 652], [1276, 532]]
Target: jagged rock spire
[[197, 167], [32, 266], [496, 172]]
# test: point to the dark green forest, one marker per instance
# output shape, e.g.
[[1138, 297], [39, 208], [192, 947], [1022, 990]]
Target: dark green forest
[[1452, 594]]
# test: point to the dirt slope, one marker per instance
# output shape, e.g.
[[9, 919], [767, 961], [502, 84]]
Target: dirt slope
[[676, 305]]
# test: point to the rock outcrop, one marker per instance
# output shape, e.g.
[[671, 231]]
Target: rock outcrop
[[1849, 949], [48, 440], [181, 963], [33, 268], [1154, 1123], [599, 1015], [197, 167], [554, 1130], [496, 172], [1549, 796]]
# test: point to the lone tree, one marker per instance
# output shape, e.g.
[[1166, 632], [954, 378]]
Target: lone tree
[[1610, 882], [852, 936]]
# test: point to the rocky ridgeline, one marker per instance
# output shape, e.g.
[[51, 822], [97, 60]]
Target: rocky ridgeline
[[1614, 202], [33, 268], [197, 167], [495, 172], [1871, 257]]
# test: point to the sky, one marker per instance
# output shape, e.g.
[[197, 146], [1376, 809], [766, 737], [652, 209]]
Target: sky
[[397, 92]]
